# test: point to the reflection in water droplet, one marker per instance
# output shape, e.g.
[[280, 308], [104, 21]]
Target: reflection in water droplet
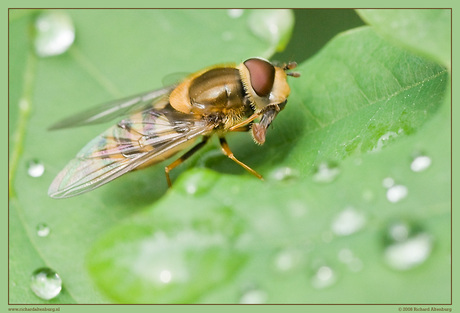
[[284, 173], [348, 222], [397, 193], [287, 259], [235, 13], [35, 168], [55, 33], [326, 173], [406, 254], [43, 230], [254, 296], [420, 163], [398, 231], [46, 283], [323, 278]]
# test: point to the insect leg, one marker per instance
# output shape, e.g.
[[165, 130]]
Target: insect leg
[[244, 128], [229, 153], [183, 158]]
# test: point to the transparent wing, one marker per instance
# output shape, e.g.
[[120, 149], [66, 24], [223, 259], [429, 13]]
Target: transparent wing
[[111, 110], [145, 138]]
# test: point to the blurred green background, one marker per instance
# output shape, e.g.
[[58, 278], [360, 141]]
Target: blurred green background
[[343, 216]]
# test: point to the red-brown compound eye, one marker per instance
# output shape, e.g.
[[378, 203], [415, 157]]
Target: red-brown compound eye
[[262, 76]]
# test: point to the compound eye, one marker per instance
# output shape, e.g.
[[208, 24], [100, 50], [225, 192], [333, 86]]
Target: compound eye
[[262, 76]]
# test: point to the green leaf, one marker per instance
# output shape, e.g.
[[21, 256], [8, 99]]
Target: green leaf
[[325, 225], [116, 53], [423, 31]]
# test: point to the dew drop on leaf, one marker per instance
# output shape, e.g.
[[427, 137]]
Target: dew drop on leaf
[[43, 230], [323, 277], [326, 172], [254, 296], [46, 283], [35, 168], [284, 173], [396, 193], [235, 13], [348, 222], [55, 33], [406, 246], [420, 163]]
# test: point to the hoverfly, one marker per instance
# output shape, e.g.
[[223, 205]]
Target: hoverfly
[[159, 124]]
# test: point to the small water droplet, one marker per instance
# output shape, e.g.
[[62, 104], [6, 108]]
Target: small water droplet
[[420, 163], [43, 230], [198, 181], [396, 193], [388, 182], [346, 256], [284, 173], [326, 172], [324, 277], [348, 222], [287, 259], [227, 36], [55, 33], [406, 246], [235, 13], [46, 283], [35, 168], [254, 296]]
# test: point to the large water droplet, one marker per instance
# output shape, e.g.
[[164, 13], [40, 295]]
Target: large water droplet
[[46, 283], [406, 248], [35, 168], [326, 172], [348, 222], [396, 193], [324, 277], [55, 33], [43, 230], [254, 296], [420, 163]]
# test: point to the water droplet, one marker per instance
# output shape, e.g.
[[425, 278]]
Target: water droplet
[[324, 277], [254, 296], [55, 33], [420, 163], [326, 173], [384, 140], [396, 193], [388, 182], [269, 25], [406, 246], [235, 13], [35, 168], [227, 36], [287, 259], [346, 256], [348, 222], [46, 283], [284, 173], [198, 181], [43, 230], [165, 276]]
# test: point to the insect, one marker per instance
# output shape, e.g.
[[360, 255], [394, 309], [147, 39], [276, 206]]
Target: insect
[[161, 123]]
